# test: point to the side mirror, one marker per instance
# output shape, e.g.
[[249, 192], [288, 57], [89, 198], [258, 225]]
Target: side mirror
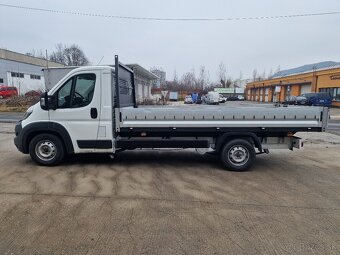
[[47, 102]]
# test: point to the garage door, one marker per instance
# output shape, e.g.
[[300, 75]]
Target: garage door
[[266, 96], [305, 89]]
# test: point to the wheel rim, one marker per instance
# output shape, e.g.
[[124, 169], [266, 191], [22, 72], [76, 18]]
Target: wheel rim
[[238, 155], [46, 150]]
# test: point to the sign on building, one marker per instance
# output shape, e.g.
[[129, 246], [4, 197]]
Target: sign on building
[[225, 90], [239, 90]]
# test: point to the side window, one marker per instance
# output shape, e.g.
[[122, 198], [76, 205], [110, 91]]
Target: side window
[[64, 95], [84, 89], [77, 91]]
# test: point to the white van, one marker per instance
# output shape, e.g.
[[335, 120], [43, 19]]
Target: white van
[[212, 97]]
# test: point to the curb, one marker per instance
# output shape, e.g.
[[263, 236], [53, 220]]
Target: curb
[[8, 121]]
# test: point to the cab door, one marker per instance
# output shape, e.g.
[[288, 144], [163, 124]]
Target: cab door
[[77, 109]]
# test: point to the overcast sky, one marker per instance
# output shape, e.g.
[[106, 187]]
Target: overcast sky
[[184, 46]]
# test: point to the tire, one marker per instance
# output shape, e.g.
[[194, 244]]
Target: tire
[[238, 155], [46, 150]]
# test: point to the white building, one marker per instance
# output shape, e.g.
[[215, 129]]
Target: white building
[[143, 82], [22, 71], [161, 78]]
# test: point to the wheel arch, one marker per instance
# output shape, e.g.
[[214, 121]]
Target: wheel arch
[[33, 129], [251, 137]]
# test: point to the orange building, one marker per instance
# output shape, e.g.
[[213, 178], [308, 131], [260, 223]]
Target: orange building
[[279, 88]]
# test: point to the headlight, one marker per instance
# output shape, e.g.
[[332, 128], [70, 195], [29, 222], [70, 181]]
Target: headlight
[[27, 113]]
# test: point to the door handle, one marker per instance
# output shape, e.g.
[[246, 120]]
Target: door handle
[[94, 113]]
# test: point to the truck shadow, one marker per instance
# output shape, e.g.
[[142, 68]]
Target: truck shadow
[[173, 158]]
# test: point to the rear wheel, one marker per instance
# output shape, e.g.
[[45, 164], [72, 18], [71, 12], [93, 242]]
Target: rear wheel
[[46, 149], [238, 155]]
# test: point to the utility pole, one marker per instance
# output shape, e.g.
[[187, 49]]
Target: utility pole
[[315, 80], [46, 60]]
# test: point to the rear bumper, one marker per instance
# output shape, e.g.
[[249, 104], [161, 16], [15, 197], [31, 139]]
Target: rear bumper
[[288, 142]]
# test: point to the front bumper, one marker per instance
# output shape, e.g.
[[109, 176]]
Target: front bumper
[[18, 139]]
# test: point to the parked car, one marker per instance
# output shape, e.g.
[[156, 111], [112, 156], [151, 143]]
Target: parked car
[[290, 100], [301, 100], [318, 99], [198, 100], [7, 91], [240, 98], [188, 100], [212, 98], [232, 98], [203, 99], [194, 97], [295, 100], [222, 99]]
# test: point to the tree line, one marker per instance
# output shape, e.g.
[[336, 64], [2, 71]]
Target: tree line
[[190, 81], [201, 82], [68, 55]]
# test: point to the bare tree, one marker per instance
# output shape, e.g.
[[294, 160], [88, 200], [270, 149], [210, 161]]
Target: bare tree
[[228, 83], [270, 75], [278, 69], [69, 55], [203, 78], [222, 74], [254, 74], [241, 76], [172, 86], [238, 82], [188, 81], [36, 53], [175, 77], [58, 55]]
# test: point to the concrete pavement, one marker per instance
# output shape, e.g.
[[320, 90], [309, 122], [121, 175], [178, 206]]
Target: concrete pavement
[[171, 202]]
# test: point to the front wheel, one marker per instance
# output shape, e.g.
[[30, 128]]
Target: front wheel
[[46, 150], [238, 155]]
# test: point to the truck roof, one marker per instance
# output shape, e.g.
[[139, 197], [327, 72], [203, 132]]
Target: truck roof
[[80, 67], [56, 74]]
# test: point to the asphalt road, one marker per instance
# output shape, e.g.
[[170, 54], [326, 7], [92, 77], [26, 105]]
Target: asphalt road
[[171, 202], [11, 116], [334, 127]]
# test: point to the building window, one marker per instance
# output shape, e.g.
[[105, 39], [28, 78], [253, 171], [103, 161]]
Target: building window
[[18, 75], [1, 80], [35, 77], [334, 92]]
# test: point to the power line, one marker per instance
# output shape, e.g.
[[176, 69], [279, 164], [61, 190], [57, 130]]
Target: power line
[[169, 19]]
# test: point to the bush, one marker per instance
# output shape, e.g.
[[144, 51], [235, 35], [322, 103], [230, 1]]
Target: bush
[[18, 103]]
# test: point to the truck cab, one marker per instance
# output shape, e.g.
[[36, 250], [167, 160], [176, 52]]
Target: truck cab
[[77, 114]]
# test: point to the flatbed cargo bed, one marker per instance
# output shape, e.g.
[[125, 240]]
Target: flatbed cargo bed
[[306, 118]]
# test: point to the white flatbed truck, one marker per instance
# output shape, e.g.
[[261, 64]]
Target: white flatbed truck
[[93, 110]]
